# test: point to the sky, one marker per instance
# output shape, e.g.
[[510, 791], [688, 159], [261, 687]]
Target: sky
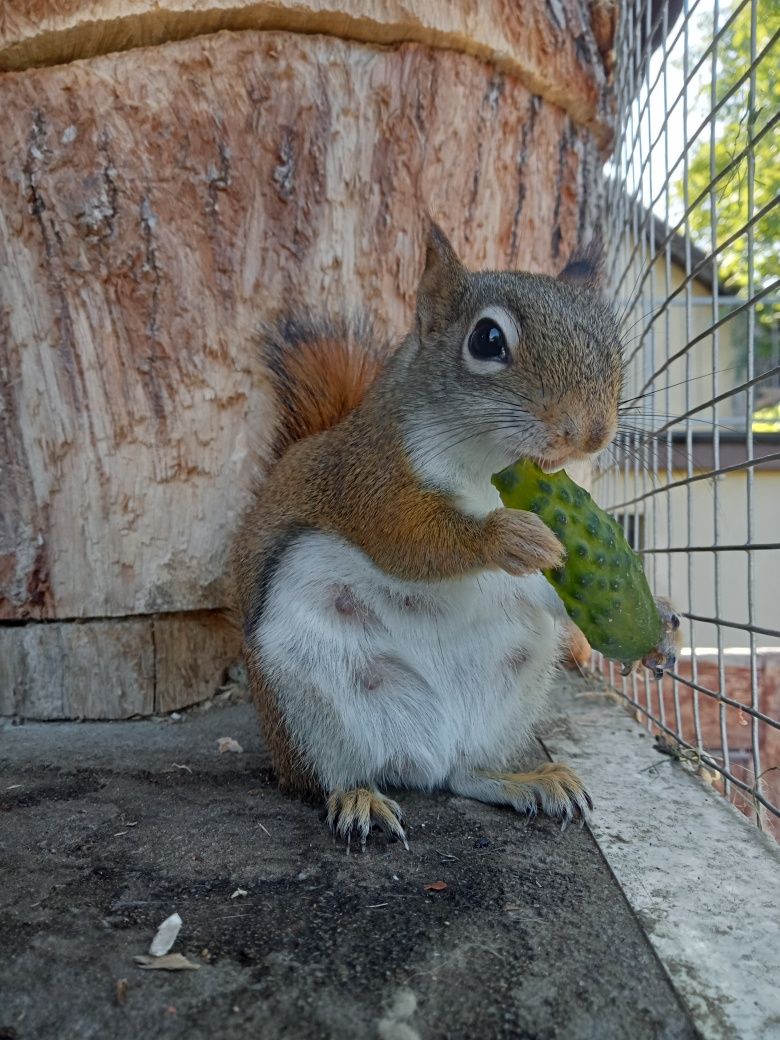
[[670, 126]]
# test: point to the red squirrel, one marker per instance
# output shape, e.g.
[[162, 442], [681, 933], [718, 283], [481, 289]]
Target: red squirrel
[[397, 629]]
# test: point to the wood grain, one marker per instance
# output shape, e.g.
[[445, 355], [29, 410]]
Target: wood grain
[[103, 669], [154, 205], [114, 669], [556, 48]]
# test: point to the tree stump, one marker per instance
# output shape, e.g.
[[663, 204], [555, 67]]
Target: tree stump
[[172, 173]]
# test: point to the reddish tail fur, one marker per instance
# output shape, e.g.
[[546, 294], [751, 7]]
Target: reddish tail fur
[[319, 371]]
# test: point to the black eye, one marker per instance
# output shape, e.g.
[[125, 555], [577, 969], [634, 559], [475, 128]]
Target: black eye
[[487, 342]]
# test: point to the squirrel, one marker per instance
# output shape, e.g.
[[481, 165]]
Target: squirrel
[[397, 629]]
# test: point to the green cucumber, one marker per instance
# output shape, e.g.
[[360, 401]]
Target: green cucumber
[[602, 582]]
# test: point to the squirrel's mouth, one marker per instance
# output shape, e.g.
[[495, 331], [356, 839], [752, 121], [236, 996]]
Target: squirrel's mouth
[[551, 465]]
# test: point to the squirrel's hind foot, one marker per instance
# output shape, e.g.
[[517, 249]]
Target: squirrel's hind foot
[[356, 811], [553, 787]]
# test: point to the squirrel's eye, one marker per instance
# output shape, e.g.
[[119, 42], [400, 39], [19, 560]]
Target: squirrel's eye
[[487, 341]]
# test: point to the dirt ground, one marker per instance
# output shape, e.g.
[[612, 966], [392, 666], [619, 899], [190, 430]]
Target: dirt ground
[[107, 828]]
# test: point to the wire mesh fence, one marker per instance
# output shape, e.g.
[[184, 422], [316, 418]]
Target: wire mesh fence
[[692, 225]]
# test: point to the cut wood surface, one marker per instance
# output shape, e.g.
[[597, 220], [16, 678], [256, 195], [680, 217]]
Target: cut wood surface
[[113, 669], [156, 203], [173, 187], [557, 48]]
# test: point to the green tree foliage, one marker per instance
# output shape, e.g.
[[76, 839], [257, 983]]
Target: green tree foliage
[[747, 114]]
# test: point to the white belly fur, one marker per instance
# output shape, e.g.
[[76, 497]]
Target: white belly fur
[[417, 680]]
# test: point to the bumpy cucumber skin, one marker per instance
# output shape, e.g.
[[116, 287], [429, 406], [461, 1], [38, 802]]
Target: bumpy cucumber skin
[[602, 583]]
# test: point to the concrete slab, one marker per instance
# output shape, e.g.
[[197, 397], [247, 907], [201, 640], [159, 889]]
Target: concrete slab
[[701, 877], [107, 828]]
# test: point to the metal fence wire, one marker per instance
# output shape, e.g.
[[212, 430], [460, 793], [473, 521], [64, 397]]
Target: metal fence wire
[[692, 229]]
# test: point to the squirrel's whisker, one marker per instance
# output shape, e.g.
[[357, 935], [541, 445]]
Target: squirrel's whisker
[[651, 434], [681, 382], [496, 427]]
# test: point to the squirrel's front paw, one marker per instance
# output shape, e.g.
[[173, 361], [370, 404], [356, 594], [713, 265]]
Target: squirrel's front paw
[[519, 542], [356, 811]]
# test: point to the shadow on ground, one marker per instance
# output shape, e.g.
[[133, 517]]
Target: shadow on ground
[[107, 828]]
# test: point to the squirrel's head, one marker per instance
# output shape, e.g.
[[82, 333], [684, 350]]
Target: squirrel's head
[[514, 365]]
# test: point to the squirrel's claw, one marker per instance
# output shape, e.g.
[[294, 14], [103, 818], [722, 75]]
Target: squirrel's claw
[[663, 657], [357, 810], [554, 788]]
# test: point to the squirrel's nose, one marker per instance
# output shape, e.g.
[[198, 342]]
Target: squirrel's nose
[[598, 433]]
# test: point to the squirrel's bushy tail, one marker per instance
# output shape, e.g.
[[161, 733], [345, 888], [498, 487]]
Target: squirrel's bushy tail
[[319, 370]]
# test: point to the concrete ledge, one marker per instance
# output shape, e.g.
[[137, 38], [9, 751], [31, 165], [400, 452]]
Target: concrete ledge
[[700, 877]]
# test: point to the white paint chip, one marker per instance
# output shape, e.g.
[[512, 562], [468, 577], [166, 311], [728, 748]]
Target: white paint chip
[[394, 1024], [166, 936]]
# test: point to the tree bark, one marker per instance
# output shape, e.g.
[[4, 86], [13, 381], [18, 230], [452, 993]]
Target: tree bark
[[154, 205]]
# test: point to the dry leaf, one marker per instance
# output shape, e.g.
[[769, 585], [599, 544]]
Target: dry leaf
[[166, 936], [435, 886], [228, 744], [121, 991], [239, 892], [170, 962]]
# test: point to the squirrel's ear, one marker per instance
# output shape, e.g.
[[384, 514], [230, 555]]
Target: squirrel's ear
[[441, 284], [586, 266]]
